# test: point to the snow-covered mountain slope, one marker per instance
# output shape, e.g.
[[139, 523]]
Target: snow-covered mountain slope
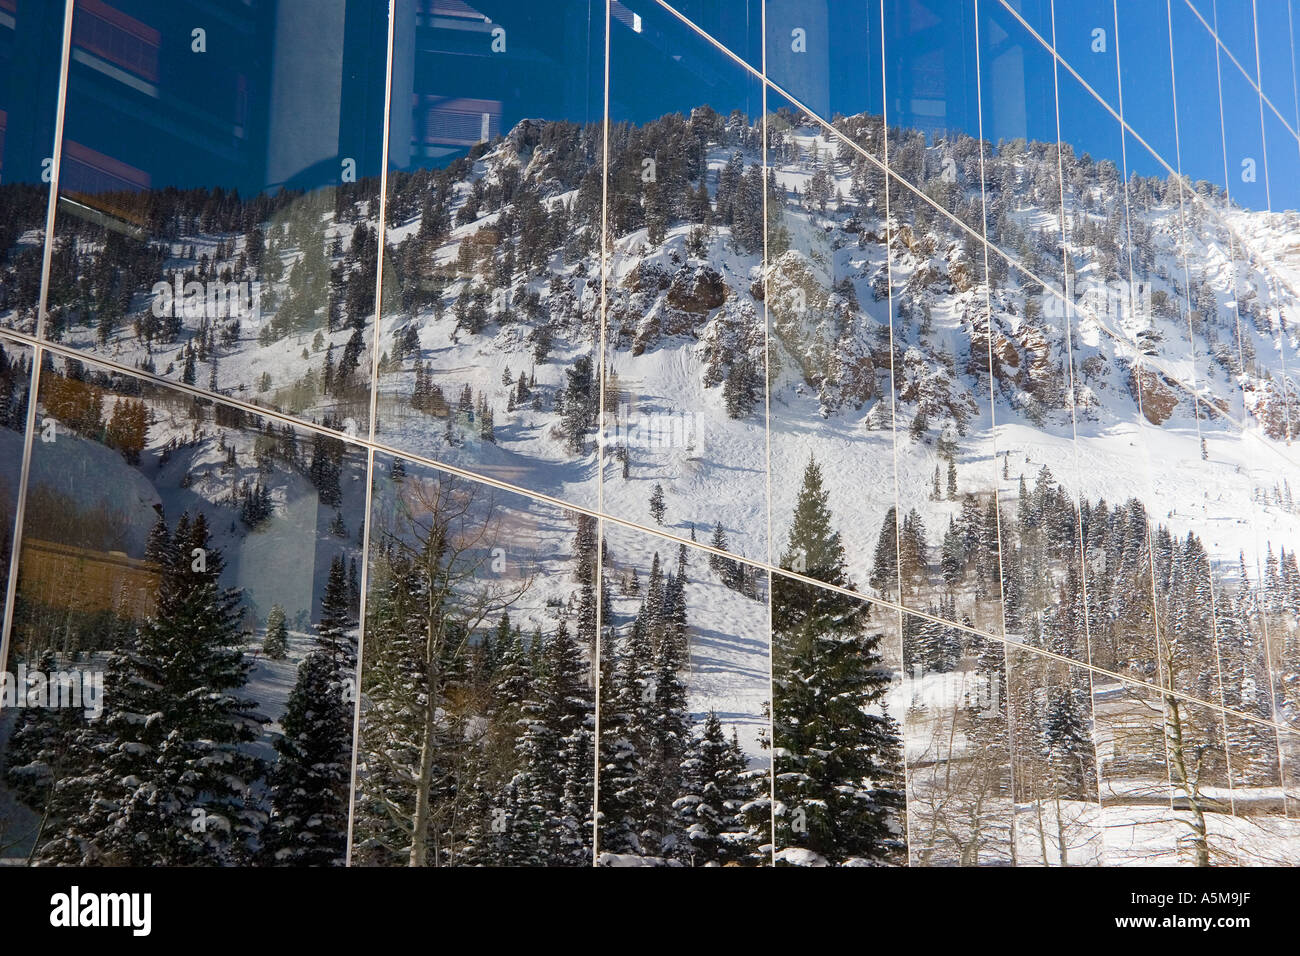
[[1143, 354], [1139, 381]]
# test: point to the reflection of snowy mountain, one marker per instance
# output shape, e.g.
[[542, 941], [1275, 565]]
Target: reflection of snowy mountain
[[751, 320], [493, 268]]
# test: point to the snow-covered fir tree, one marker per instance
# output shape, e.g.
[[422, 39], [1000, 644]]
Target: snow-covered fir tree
[[839, 753]]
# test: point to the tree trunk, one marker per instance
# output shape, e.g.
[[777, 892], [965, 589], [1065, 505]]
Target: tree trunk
[[423, 796], [1177, 757], [1060, 835], [420, 820], [1042, 831]]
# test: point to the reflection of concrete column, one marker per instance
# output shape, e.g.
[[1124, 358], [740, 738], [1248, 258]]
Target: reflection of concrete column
[[33, 82], [400, 116], [798, 41], [270, 562], [1006, 78], [306, 86]]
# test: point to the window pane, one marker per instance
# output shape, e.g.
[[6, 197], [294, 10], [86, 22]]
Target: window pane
[[31, 40], [932, 106], [492, 269], [685, 748], [1275, 30], [1086, 38], [1022, 177], [1234, 23], [684, 359], [830, 366], [15, 384], [961, 809], [736, 24], [218, 210], [1058, 809], [477, 681], [1243, 138], [1147, 82], [1196, 86], [184, 559], [1164, 773], [826, 55]]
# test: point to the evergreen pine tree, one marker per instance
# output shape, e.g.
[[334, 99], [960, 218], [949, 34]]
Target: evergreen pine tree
[[557, 720], [952, 559], [276, 644], [309, 782], [716, 789], [172, 789], [838, 774], [335, 613], [884, 565], [657, 506]]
